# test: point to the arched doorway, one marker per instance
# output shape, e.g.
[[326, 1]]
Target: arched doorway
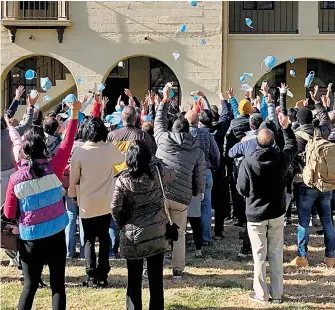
[[324, 74], [139, 74], [44, 66]]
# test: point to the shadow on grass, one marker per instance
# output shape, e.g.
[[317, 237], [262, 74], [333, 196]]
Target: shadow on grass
[[287, 307]]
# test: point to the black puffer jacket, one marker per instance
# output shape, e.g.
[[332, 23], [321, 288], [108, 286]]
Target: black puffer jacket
[[237, 130], [180, 152], [138, 209]]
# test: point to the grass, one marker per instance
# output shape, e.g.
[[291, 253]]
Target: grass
[[218, 281]]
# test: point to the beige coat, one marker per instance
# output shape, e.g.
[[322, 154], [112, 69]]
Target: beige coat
[[92, 177]]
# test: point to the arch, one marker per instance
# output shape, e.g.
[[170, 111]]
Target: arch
[[302, 66], [48, 68], [133, 56], [12, 64], [139, 76]]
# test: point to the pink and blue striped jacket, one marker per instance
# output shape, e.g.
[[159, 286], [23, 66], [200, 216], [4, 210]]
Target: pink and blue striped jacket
[[41, 209]]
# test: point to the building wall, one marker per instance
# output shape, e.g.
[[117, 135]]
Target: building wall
[[103, 33], [247, 51], [296, 84], [139, 79]]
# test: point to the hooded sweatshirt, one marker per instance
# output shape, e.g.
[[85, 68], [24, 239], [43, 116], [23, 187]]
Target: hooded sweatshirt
[[262, 180], [180, 152]]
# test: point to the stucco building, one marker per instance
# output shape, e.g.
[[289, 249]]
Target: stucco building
[[131, 45]]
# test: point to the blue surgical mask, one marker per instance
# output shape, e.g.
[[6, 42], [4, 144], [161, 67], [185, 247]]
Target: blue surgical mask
[[45, 84]]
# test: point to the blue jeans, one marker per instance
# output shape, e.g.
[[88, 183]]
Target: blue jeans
[[114, 234], [71, 228], [206, 208], [307, 198]]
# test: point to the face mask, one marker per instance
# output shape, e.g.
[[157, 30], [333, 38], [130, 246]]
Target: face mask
[[45, 84]]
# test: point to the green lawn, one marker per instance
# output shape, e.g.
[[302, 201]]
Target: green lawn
[[217, 281]]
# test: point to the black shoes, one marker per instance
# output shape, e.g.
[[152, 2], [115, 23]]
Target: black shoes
[[103, 284], [94, 283], [91, 282]]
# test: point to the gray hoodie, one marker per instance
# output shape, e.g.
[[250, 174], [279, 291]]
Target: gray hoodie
[[7, 157]]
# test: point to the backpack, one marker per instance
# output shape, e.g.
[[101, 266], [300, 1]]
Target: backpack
[[319, 171]]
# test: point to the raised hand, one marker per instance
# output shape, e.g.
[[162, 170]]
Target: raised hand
[[283, 88], [19, 92], [313, 94], [200, 93], [32, 101], [257, 102], [299, 104], [166, 92], [76, 106], [265, 91], [105, 100], [248, 94], [230, 92], [8, 120], [324, 100]]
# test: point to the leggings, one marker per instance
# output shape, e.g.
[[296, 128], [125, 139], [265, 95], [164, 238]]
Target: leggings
[[155, 277], [34, 255], [197, 233]]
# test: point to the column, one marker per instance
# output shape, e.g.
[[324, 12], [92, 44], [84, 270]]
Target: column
[[308, 15], [62, 10], [10, 9]]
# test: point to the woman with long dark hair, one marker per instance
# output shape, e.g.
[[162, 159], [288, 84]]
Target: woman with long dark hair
[[138, 210], [37, 191]]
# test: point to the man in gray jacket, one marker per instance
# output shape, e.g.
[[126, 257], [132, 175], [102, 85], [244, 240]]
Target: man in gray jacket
[[180, 151], [7, 156]]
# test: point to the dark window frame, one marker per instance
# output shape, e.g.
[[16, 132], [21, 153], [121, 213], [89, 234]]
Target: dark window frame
[[256, 5], [34, 5], [322, 5]]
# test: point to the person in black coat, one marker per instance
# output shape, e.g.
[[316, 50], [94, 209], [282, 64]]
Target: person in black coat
[[262, 180], [236, 131]]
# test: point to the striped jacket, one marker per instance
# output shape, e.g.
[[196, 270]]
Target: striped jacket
[[41, 209]]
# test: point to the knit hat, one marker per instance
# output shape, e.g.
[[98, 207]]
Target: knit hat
[[244, 107], [304, 116]]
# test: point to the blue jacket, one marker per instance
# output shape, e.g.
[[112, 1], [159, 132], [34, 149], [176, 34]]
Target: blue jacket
[[242, 149], [246, 148]]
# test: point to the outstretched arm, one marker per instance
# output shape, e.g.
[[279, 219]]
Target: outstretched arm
[[161, 119]]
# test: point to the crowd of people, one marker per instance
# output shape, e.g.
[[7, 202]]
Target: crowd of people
[[131, 179]]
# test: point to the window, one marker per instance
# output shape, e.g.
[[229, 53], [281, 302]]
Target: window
[[258, 5], [34, 5], [327, 5], [160, 74]]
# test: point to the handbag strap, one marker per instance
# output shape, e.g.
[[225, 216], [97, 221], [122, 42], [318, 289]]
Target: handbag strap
[[163, 191]]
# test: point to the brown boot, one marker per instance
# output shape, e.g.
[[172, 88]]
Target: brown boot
[[300, 262], [330, 262]]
